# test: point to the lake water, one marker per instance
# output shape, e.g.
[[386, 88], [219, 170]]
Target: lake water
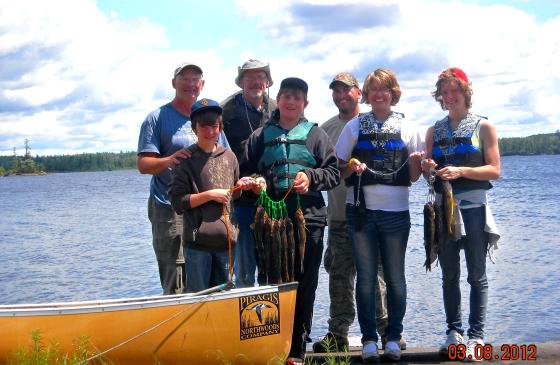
[[82, 236]]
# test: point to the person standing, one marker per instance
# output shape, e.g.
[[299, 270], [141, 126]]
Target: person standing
[[464, 148], [379, 154], [338, 262], [243, 113], [201, 190], [164, 136], [294, 156]]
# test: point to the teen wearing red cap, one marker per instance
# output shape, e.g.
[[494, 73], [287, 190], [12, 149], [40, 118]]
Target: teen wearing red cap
[[463, 148]]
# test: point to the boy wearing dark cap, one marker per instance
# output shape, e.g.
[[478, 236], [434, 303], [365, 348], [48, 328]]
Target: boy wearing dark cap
[[200, 188], [292, 153]]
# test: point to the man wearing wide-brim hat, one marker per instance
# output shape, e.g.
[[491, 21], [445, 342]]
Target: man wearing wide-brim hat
[[244, 112]]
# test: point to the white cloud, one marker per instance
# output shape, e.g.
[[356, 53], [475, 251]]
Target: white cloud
[[73, 79]]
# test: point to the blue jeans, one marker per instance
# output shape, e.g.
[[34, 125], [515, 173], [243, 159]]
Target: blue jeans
[[245, 257], [386, 234], [205, 269], [475, 244]]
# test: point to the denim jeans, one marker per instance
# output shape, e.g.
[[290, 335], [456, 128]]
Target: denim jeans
[[475, 244], [167, 228], [245, 257], [308, 280], [205, 269], [386, 234]]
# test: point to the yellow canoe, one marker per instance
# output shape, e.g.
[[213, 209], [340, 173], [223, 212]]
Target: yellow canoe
[[240, 326]]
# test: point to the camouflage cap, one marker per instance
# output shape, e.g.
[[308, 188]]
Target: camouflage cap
[[346, 78]]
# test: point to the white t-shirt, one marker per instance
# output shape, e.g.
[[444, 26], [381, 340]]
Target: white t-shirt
[[378, 197]]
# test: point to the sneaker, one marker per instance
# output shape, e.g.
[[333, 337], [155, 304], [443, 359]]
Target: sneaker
[[392, 350], [331, 343], [370, 353], [294, 361], [453, 338], [402, 342], [470, 354]]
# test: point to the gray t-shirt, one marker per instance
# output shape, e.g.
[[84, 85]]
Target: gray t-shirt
[[337, 197], [165, 131]]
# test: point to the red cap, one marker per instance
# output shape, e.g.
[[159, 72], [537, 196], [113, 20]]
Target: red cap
[[455, 72]]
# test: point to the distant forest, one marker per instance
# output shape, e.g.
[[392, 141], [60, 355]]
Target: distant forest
[[540, 144]]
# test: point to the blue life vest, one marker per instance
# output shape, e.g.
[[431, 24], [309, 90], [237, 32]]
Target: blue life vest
[[460, 147], [382, 149], [285, 154]]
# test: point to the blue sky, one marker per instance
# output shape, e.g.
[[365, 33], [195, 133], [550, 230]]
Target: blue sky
[[81, 75]]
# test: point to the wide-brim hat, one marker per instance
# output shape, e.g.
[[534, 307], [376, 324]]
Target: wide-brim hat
[[253, 64]]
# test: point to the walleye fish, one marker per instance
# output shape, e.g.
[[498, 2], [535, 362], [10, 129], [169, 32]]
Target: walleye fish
[[430, 235], [274, 276], [267, 244], [302, 235], [291, 248], [258, 227], [448, 204], [284, 251]]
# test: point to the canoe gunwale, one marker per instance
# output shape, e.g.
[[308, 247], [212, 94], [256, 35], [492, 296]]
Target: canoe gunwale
[[110, 305]]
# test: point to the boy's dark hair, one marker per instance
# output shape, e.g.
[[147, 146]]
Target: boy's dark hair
[[208, 117]]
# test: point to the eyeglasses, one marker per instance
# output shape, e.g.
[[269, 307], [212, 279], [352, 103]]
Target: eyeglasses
[[191, 80], [259, 78]]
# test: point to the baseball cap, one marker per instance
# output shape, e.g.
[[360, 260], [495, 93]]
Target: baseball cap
[[185, 65], [294, 82], [454, 72], [203, 105], [346, 78], [253, 64]]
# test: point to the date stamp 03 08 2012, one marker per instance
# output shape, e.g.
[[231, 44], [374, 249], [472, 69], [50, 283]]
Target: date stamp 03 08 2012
[[505, 352]]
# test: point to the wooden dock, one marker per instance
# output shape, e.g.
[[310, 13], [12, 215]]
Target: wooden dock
[[546, 353]]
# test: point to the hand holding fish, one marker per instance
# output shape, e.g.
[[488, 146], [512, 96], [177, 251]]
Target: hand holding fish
[[219, 195], [356, 166], [301, 183], [245, 183], [259, 184], [428, 164], [451, 172]]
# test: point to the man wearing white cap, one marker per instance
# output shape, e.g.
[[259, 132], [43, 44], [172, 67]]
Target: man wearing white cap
[[244, 112], [164, 136]]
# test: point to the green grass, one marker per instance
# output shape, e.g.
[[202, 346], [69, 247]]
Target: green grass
[[333, 357], [39, 353]]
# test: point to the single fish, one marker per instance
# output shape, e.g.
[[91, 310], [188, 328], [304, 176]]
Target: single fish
[[267, 244], [448, 206], [291, 248], [274, 273], [258, 229], [284, 251], [430, 243], [302, 235]]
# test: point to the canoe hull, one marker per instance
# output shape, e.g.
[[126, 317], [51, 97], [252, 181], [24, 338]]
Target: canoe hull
[[243, 326]]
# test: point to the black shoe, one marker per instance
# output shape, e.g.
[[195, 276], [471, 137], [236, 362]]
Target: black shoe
[[402, 342], [331, 343]]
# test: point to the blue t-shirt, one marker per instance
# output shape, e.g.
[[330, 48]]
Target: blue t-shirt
[[165, 131]]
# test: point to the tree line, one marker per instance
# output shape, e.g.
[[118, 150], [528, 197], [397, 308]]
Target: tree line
[[539, 144], [101, 161]]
